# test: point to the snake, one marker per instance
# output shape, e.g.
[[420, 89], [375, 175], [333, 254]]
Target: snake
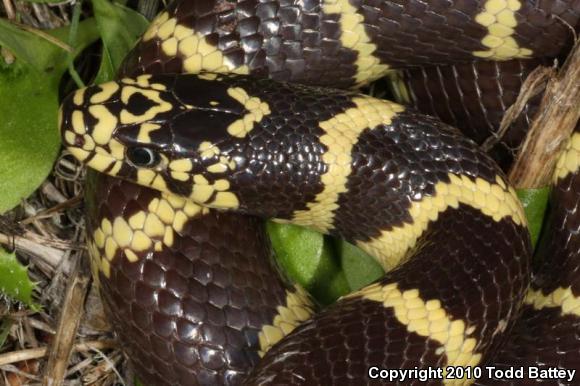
[[196, 162]]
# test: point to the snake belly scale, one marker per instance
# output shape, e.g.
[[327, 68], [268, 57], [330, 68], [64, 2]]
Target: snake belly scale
[[435, 211]]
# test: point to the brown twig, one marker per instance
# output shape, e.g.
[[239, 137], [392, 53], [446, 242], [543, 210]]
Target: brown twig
[[68, 323], [41, 352], [553, 124]]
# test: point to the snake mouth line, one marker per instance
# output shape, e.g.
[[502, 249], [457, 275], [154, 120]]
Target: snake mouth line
[[103, 163]]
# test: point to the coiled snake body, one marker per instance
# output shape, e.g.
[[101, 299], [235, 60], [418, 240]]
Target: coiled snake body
[[194, 297]]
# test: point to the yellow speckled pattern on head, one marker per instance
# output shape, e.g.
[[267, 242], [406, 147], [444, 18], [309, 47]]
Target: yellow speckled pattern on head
[[340, 135], [257, 109], [214, 195], [569, 161], [142, 230], [499, 17], [428, 319], [198, 55], [494, 200], [354, 37], [562, 298], [298, 308]]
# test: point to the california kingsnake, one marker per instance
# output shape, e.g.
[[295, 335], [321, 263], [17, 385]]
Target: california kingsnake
[[368, 170]]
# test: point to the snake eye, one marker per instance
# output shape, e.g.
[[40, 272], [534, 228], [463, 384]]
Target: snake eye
[[143, 157]]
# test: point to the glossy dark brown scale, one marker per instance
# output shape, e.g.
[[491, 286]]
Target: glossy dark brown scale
[[474, 98], [299, 43], [546, 336], [383, 154], [189, 314]]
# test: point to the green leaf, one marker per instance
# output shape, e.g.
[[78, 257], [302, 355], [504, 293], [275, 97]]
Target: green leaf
[[535, 202], [33, 48], [308, 259], [359, 267], [5, 330], [29, 138], [120, 27], [14, 280]]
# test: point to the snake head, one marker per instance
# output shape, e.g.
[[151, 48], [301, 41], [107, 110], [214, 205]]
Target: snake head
[[173, 133]]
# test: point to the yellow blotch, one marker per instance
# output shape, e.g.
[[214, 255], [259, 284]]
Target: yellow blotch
[[165, 211], [100, 162], [107, 91], [197, 53], [106, 125], [179, 221], [141, 241], [89, 144], [99, 238], [145, 176], [170, 47], [181, 165], [256, 111], [122, 232], [207, 149], [298, 308], [340, 135], [137, 221], [110, 248], [131, 256], [202, 193], [79, 96], [78, 122], [166, 29], [569, 161], [116, 149], [168, 237], [69, 137], [105, 267], [499, 18], [225, 200], [354, 37], [491, 199], [152, 30], [221, 185], [217, 168], [179, 176], [153, 226], [78, 153], [428, 319], [159, 183], [145, 130], [561, 297]]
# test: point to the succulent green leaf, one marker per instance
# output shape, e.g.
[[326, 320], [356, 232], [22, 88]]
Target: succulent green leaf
[[308, 258], [535, 202], [359, 267], [14, 280]]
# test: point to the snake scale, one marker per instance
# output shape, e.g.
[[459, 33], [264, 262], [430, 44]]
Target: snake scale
[[182, 259]]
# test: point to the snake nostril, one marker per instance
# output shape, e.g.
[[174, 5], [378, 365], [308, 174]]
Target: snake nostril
[[79, 140]]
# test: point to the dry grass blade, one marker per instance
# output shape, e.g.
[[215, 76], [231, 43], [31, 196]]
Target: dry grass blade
[[68, 323], [41, 352], [552, 126], [534, 84]]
